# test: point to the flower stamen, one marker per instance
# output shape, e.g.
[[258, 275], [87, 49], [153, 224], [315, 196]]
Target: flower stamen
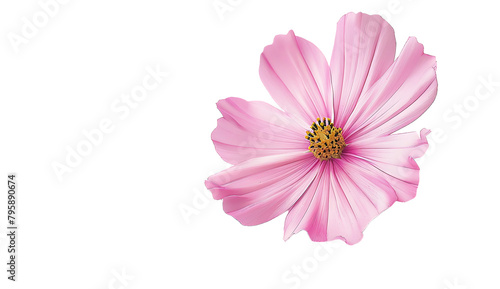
[[326, 141]]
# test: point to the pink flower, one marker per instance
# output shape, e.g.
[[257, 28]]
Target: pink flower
[[336, 175]]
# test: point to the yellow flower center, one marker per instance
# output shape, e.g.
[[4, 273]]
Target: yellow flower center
[[326, 140]]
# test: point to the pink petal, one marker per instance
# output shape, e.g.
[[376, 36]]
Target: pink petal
[[399, 97], [394, 156], [340, 202], [297, 76], [364, 49], [310, 212], [250, 129], [260, 189]]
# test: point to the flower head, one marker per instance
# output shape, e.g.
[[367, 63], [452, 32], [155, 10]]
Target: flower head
[[351, 165]]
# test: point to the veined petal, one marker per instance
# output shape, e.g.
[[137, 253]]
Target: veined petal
[[399, 97], [297, 76], [260, 189], [340, 202], [310, 212], [394, 156], [250, 129], [364, 49]]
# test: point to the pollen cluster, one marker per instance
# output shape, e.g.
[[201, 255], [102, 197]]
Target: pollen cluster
[[326, 141]]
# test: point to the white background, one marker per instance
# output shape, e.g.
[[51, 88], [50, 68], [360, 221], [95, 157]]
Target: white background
[[120, 209]]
